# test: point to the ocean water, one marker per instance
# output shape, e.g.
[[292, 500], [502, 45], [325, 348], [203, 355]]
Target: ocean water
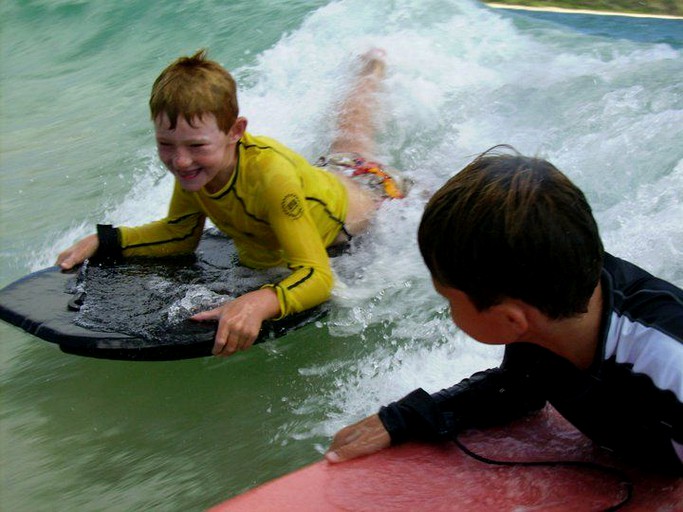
[[77, 148], [640, 29]]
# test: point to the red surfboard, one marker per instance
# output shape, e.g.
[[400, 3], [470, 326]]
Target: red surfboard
[[423, 477]]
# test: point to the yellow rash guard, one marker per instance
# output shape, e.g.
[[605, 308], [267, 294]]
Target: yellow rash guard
[[278, 209]]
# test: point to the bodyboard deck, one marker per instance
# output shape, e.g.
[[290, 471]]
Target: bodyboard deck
[[139, 310], [442, 477]]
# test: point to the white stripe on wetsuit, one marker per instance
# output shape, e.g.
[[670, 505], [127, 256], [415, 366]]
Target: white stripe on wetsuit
[[651, 352]]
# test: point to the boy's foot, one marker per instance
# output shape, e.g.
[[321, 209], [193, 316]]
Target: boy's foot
[[373, 62]]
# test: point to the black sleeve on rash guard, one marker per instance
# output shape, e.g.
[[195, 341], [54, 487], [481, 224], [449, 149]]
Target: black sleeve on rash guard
[[487, 398], [109, 250], [415, 416]]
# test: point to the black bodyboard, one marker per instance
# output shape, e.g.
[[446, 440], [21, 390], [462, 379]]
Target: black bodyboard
[[140, 310]]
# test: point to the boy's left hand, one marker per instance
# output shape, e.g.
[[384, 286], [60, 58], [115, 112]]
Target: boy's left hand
[[239, 321]]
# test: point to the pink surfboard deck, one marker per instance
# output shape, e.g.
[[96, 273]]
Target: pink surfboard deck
[[421, 477]]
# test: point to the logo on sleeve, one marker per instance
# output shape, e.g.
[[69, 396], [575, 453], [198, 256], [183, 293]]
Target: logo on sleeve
[[291, 206]]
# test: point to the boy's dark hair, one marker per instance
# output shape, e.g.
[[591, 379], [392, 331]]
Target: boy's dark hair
[[510, 226]]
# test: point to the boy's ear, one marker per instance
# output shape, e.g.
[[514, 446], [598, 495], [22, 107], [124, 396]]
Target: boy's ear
[[513, 316], [238, 129]]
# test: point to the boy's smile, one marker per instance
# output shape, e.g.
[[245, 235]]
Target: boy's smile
[[199, 156]]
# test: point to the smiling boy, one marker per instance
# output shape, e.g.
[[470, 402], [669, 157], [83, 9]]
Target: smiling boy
[[279, 209]]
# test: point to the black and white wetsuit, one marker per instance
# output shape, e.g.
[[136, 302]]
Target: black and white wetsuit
[[629, 401]]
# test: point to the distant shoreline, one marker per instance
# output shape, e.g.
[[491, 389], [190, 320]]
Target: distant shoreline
[[580, 11]]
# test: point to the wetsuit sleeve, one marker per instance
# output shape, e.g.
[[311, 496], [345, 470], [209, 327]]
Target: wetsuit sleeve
[[492, 397], [178, 233], [311, 280]]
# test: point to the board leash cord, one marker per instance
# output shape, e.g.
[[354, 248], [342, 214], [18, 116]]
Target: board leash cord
[[621, 475]]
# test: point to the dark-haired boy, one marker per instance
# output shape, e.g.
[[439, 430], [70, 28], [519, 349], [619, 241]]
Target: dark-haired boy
[[512, 244]]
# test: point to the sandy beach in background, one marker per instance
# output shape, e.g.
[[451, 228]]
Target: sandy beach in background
[[580, 11]]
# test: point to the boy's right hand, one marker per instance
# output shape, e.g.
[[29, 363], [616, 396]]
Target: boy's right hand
[[78, 253], [362, 438]]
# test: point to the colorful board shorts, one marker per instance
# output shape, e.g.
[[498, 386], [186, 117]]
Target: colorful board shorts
[[387, 182]]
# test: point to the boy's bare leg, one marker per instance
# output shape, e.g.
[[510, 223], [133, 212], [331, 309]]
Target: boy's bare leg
[[356, 128], [357, 121]]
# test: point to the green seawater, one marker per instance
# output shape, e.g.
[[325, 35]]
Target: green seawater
[[76, 148]]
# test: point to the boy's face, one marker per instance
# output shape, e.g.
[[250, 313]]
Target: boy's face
[[490, 326], [198, 156]]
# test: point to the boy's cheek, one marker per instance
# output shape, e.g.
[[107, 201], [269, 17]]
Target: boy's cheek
[[164, 156]]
